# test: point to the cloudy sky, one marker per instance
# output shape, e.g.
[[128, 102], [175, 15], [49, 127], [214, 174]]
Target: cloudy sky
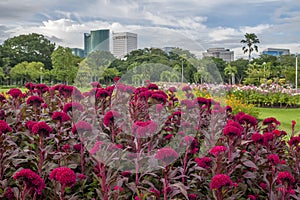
[[188, 24]]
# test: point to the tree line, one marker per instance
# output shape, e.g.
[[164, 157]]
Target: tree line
[[35, 58]]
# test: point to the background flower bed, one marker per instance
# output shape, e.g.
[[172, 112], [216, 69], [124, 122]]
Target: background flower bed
[[45, 154]]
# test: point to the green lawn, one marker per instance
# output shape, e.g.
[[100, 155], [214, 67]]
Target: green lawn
[[285, 116]]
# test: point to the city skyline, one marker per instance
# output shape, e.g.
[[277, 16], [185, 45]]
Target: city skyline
[[194, 25]]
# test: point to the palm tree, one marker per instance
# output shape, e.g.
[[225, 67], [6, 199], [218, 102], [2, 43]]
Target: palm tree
[[250, 41], [231, 70]]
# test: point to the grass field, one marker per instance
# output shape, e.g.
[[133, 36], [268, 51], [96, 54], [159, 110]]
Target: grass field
[[285, 116]]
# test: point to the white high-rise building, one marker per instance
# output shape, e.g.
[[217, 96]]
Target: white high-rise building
[[124, 43]]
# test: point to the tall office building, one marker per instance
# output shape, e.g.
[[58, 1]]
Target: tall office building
[[96, 40], [124, 43], [223, 53], [276, 52]]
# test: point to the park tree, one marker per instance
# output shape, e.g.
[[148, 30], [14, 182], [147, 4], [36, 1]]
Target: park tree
[[249, 43], [231, 71], [31, 48], [98, 61], [241, 67], [25, 72], [65, 65]]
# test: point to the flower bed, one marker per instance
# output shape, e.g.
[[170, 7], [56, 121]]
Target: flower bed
[[122, 142]]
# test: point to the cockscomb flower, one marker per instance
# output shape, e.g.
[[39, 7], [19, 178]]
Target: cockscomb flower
[[96, 147], [65, 176], [118, 188], [30, 86], [32, 181], [152, 86], [215, 151], [95, 85], [72, 106], [248, 119], [252, 197], [142, 129], [81, 176], [257, 138], [268, 137], [4, 127], [294, 141], [30, 124], [81, 126], [274, 159], [232, 131], [42, 129], [101, 93], [219, 181], [66, 147], [172, 89], [166, 155], [60, 116], [34, 101], [201, 101], [2, 98], [116, 79], [109, 117], [192, 196], [9, 194], [285, 177], [188, 103], [270, 120], [42, 87], [14, 92], [159, 97], [204, 162]]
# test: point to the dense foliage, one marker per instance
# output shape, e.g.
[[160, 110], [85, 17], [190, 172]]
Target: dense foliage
[[121, 142]]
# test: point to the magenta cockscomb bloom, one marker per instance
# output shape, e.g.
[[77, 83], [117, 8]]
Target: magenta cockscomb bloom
[[192, 196], [268, 137], [32, 181], [186, 88], [42, 87], [96, 147], [118, 188], [166, 155], [4, 127], [2, 98], [285, 177], [109, 117], [215, 151], [248, 119], [219, 181], [204, 162], [172, 89], [270, 120], [35, 101], [66, 147], [257, 138], [252, 197], [116, 79], [95, 85], [142, 129], [14, 92], [152, 86], [77, 147], [101, 93], [81, 176], [60, 116], [81, 126], [294, 141], [72, 106], [274, 159], [42, 129], [159, 97], [30, 124], [232, 131], [65, 176], [201, 101], [30, 86], [189, 104]]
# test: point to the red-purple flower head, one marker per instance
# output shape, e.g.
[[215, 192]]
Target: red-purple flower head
[[30, 86], [143, 129], [270, 120], [166, 155], [186, 88], [42, 129], [65, 176], [248, 119], [232, 131], [294, 141], [109, 117], [215, 151], [204, 162], [285, 177], [257, 138], [152, 86], [219, 181], [95, 85], [60, 116], [14, 92], [101, 93], [274, 159], [35, 101], [172, 89], [81, 127], [32, 180], [72, 106], [4, 127], [42, 87], [29, 124]]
